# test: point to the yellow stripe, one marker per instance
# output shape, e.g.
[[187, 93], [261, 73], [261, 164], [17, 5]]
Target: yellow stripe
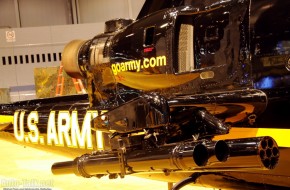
[[280, 135], [6, 119]]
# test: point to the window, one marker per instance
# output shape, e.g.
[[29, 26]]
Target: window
[[43, 58], [39, 13], [211, 33], [3, 60], [54, 56], [26, 59], [21, 59], [9, 60], [32, 58], [37, 58], [49, 57], [15, 60], [59, 56], [149, 36]]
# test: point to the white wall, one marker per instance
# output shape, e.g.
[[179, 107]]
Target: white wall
[[44, 12], [45, 29], [7, 14], [101, 10], [32, 41], [34, 13], [136, 7]]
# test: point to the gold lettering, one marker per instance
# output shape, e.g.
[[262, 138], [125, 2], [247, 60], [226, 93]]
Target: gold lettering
[[32, 120], [118, 68], [146, 63], [133, 65], [128, 65], [152, 62], [161, 61], [19, 134], [63, 126], [114, 69], [138, 64], [123, 67], [51, 129], [66, 130], [84, 136]]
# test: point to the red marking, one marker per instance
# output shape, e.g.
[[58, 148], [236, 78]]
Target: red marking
[[120, 78], [148, 49]]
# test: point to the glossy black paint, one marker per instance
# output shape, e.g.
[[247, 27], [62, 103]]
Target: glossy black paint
[[213, 28], [237, 75], [248, 154]]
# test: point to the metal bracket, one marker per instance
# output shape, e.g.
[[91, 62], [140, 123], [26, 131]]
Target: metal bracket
[[122, 158]]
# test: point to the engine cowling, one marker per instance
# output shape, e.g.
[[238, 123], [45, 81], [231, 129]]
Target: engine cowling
[[71, 59], [79, 56]]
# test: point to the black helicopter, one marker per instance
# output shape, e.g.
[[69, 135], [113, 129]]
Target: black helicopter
[[191, 92]]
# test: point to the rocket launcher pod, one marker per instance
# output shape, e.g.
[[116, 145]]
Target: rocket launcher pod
[[225, 155]]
